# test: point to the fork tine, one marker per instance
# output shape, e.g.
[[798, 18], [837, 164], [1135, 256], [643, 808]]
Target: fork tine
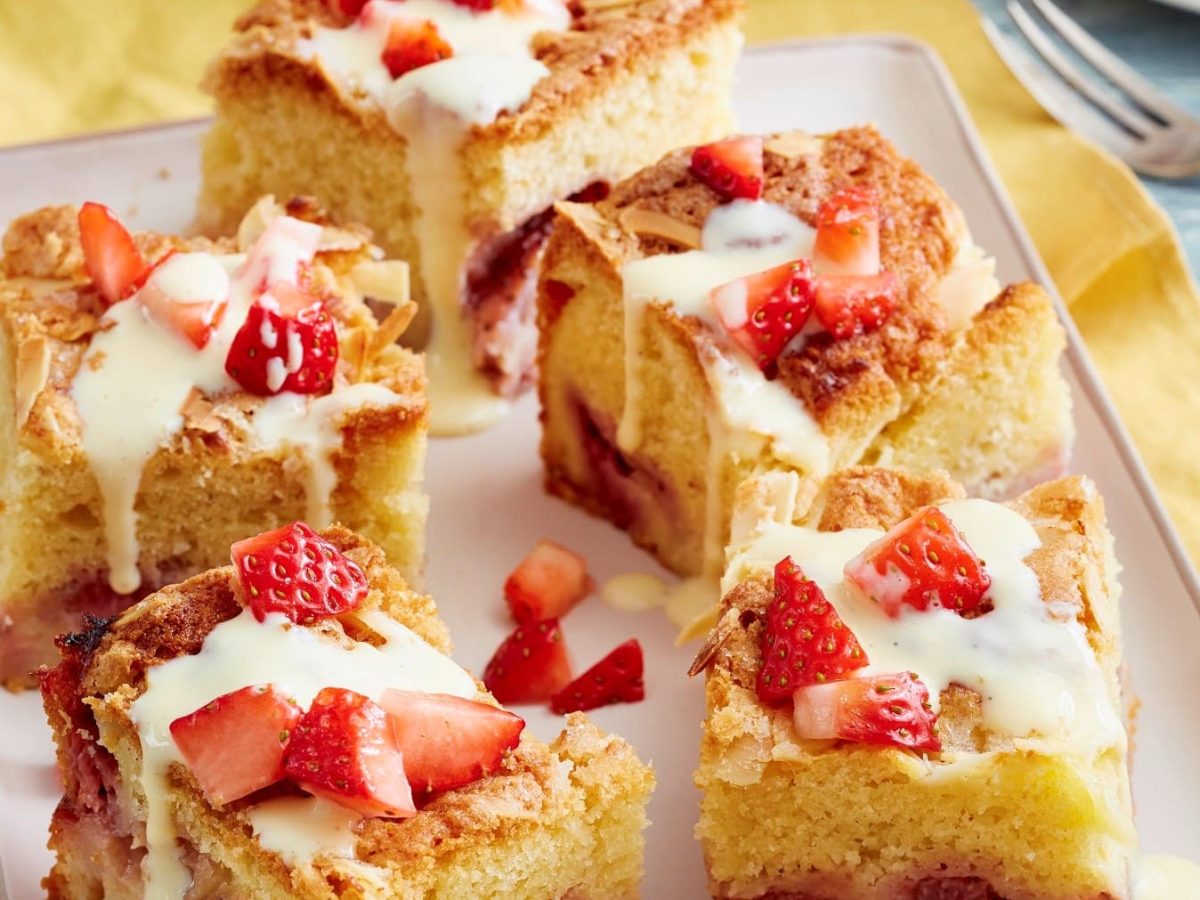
[[1110, 65], [1132, 121]]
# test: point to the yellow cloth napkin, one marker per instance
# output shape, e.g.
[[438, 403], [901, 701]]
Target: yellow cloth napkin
[[78, 65]]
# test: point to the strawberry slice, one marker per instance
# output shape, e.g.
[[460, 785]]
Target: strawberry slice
[[847, 241], [412, 44], [188, 293], [890, 710], [848, 305], [281, 254], [762, 312], [924, 562], [235, 745], [732, 167], [615, 679], [547, 583], [349, 8], [294, 571], [805, 640], [287, 343], [448, 741], [113, 261], [480, 5], [343, 750], [531, 665]]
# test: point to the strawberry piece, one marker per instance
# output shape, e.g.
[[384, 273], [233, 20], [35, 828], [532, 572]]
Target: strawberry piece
[[805, 640], [282, 253], [847, 241], [531, 665], [615, 679], [732, 167], [287, 343], [235, 744], [848, 305], [923, 562], [478, 5], [294, 571], [547, 583], [349, 8], [113, 261], [762, 312], [411, 45], [195, 318], [343, 750], [890, 710], [448, 741]]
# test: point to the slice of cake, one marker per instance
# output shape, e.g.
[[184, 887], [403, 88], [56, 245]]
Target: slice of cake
[[160, 397], [290, 727], [450, 128], [912, 695], [795, 302]]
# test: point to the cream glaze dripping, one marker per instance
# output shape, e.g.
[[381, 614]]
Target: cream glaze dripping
[[300, 662]]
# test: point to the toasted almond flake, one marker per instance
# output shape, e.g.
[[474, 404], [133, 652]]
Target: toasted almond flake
[[33, 371], [794, 145], [390, 329], [198, 415], [353, 352], [651, 223], [386, 280], [76, 326], [723, 631], [340, 240], [593, 6]]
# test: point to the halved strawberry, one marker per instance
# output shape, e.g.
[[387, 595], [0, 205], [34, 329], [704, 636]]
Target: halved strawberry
[[343, 750], [732, 167], [288, 342], [891, 710], [615, 679], [531, 665], [195, 317], [349, 8], [235, 744], [547, 583], [294, 571], [805, 640], [853, 304], [412, 44], [762, 312], [923, 562], [448, 741], [113, 261], [847, 241]]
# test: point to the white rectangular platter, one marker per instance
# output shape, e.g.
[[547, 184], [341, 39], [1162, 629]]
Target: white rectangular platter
[[488, 507]]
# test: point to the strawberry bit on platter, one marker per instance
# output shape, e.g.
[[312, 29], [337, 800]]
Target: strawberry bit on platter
[[531, 665], [732, 167], [547, 583], [615, 679]]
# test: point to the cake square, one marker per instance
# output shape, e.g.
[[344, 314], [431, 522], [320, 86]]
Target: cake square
[[653, 411], [130, 457], [540, 820], [455, 164], [996, 766]]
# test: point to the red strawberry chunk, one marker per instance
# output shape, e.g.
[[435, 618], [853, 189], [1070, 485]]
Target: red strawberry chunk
[[732, 167], [847, 241], [615, 679], [287, 343], [281, 253], [478, 5], [343, 750], [924, 562], [349, 8], [195, 318], [235, 745], [805, 640], [547, 583], [531, 665], [294, 571], [888, 710], [111, 258], [448, 741], [763, 312], [411, 45], [848, 305]]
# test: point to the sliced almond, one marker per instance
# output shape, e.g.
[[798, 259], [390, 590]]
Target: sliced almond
[[794, 145], [652, 223], [390, 329], [33, 371], [198, 415], [352, 351], [386, 280], [723, 631], [594, 6]]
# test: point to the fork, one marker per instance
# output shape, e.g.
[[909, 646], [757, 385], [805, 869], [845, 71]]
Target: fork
[[1152, 134]]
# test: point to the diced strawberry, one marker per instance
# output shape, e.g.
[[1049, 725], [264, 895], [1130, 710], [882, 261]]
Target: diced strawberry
[[923, 562], [805, 640], [531, 666], [448, 741], [287, 343], [853, 304], [891, 710], [762, 312], [113, 261], [412, 44], [235, 745], [847, 241], [281, 253], [343, 750], [294, 571], [732, 167], [194, 318], [615, 679], [547, 583], [477, 5], [349, 8]]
